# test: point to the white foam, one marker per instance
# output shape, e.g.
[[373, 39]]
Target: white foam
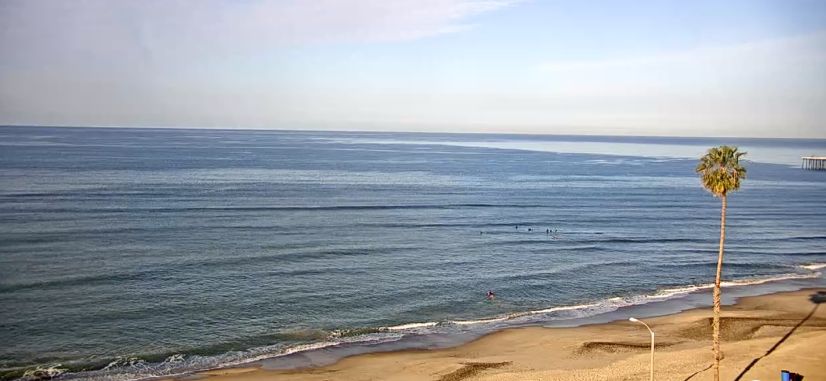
[[615, 303], [123, 362], [409, 326], [303, 348], [479, 321], [814, 266], [49, 372], [564, 308], [679, 291], [756, 281], [176, 358]]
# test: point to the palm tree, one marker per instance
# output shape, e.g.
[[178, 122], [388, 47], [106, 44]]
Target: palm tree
[[720, 172]]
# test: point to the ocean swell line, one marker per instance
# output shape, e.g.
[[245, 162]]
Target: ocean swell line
[[610, 304]]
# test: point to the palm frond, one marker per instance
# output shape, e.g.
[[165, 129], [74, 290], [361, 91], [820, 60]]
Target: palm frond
[[720, 170]]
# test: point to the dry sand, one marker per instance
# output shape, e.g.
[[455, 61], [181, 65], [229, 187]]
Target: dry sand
[[779, 331]]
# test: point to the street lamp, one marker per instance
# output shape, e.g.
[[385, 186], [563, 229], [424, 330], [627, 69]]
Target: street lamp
[[635, 320]]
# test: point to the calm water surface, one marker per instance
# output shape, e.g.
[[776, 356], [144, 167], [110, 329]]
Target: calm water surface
[[128, 253]]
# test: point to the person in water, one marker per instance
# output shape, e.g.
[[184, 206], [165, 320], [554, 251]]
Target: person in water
[[491, 295]]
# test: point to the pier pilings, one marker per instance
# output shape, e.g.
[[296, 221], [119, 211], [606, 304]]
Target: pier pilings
[[817, 163]]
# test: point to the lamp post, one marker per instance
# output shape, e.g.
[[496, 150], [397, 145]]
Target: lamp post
[[635, 320]]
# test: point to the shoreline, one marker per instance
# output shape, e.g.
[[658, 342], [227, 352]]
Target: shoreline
[[445, 335], [603, 350]]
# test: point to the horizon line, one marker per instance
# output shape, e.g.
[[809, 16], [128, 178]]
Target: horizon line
[[111, 127]]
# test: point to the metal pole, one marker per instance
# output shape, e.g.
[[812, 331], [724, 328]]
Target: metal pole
[[635, 320]]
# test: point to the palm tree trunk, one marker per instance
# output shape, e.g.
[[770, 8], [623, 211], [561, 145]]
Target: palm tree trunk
[[715, 324]]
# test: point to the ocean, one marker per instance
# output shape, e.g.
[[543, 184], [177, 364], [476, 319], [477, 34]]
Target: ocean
[[133, 253]]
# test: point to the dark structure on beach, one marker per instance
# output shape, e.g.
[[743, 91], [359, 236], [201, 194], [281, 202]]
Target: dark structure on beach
[[814, 162]]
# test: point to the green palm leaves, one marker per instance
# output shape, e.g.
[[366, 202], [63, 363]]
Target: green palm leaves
[[720, 170]]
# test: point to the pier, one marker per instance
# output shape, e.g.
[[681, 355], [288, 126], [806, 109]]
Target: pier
[[814, 162]]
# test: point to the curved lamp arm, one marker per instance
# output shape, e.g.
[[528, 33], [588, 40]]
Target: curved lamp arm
[[635, 320]]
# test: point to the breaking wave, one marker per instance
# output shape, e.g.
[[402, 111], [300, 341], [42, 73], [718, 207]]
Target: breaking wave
[[135, 368]]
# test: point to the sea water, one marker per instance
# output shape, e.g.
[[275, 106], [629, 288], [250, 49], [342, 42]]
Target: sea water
[[132, 253]]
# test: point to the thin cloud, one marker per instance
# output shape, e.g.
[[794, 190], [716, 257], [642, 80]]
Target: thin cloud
[[129, 29]]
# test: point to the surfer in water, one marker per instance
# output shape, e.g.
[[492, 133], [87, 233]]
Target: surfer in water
[[491, 295]]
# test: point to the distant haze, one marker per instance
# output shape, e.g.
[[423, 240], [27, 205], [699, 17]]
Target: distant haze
[[689, 68]]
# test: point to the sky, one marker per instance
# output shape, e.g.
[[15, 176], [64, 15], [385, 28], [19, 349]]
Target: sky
[[750, 68]]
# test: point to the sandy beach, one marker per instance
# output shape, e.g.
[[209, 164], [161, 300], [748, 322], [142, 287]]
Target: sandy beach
[[761, 336]]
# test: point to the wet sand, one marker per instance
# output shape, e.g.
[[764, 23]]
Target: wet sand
[[760, 336]]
